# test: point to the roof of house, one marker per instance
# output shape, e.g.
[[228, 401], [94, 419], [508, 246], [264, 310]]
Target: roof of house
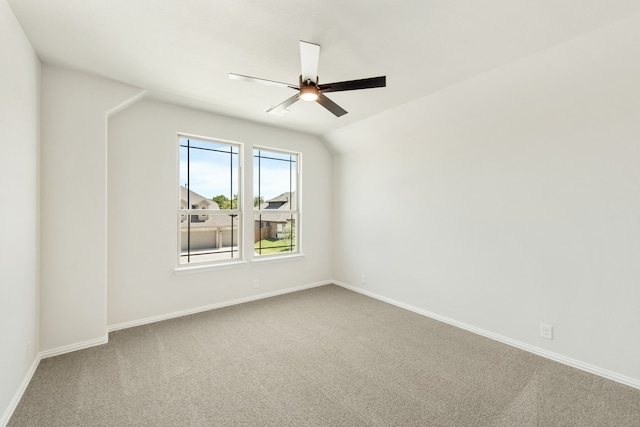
[[284, 197], [285, 201], [196, 199]]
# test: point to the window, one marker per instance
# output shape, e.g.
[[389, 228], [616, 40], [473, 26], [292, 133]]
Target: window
[[275, 199], [209, 215]]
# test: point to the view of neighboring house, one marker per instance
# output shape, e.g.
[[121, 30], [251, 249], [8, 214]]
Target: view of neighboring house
[[196, 200], [273, 225], [205, 232], [217, 231]]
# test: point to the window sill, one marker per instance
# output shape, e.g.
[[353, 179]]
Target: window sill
[[178, 271], [275, 258]]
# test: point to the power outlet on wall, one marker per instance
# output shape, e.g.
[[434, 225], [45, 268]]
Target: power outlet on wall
[[546, 331], [256, 283], [363, 279], [29, 350]]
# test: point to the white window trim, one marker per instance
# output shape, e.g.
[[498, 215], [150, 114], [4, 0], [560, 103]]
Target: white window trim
[[191, 269], [277, 257]]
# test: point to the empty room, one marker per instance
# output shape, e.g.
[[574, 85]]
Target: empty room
[[294, 213]]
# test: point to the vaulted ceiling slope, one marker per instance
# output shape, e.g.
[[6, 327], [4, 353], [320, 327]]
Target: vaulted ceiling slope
[[182, 51]]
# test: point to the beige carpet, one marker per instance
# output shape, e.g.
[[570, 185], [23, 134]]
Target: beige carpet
[[322, 357]]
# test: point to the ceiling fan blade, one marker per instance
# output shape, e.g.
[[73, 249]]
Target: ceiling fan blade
[[369, 83], [309, 55], [283, 105], [331, 106], [248, 79]]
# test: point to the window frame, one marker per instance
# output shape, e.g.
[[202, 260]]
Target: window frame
[[185, 212], [296, 213]]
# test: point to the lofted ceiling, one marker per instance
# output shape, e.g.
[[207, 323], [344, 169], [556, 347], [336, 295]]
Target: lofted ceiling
[[183, 50]]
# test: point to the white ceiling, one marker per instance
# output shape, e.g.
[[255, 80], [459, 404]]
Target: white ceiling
[[182, 50]]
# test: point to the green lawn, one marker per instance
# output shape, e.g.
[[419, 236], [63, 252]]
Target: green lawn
[[270, 246]]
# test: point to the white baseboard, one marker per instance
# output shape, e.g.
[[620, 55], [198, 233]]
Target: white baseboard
[[208, 307], [23, 387], [73, 347], [605, 373]]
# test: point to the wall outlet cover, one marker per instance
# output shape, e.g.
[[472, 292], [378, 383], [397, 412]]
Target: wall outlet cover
[[546, 331]]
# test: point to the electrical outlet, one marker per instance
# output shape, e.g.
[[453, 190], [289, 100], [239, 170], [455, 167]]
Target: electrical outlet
[[29, 350], [363, 279], [256, 283], [546, 331]]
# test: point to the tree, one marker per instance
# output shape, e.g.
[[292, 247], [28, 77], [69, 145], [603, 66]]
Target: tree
[[257, 201], [224, 202], [289, 235]]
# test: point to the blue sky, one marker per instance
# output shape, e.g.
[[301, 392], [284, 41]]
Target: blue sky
[[277, 174], [210, 171]]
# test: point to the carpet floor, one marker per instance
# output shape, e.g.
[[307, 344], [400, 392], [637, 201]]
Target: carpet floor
[[320, 357]]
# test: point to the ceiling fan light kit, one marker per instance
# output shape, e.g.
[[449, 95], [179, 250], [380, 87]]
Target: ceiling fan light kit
[[309, 89], [309, 93]]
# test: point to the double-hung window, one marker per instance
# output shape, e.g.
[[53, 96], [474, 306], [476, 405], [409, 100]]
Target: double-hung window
[[209, 207], [276, 202]]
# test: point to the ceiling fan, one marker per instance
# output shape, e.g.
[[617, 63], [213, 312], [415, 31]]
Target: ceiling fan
[[308, 87]]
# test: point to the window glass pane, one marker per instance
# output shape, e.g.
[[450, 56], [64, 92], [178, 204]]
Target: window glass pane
[[274, 177], [209, 237], [274, 233], [209, 181], [210, 170]]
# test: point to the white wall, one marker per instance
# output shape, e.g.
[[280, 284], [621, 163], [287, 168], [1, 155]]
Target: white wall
[[75, 107], [19, 146], [142, 202], [509, 200]]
